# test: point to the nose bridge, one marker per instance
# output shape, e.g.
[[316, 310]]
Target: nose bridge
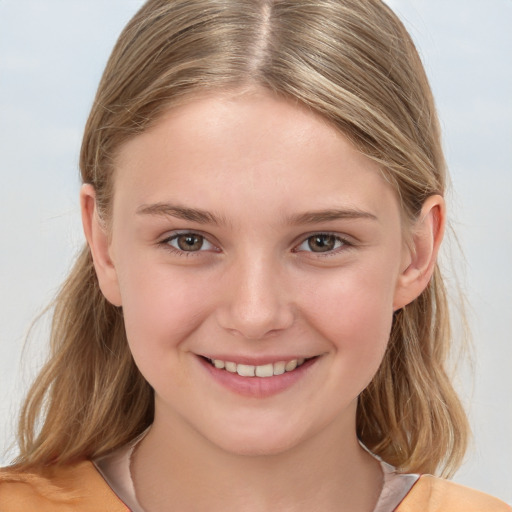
[[256, 302]]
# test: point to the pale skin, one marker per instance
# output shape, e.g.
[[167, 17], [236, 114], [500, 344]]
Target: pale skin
[[244, 226]]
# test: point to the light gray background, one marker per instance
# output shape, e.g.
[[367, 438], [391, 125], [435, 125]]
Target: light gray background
[[51, 56]]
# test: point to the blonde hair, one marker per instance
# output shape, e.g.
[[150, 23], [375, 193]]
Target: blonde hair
[[353, 63]]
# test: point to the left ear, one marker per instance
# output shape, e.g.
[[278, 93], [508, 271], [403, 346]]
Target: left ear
[[421, 256]]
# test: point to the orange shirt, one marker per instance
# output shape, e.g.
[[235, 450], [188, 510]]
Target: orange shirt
[[81, 488]]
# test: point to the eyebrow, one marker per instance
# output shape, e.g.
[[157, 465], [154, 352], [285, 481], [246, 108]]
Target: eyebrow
[[180, 212], [205, 217], [318, 216]]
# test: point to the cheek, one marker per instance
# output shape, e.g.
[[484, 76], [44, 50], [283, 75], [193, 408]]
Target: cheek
[[161, 308], [354, 312]]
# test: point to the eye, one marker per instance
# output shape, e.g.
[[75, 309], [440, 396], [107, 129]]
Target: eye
[[322, 242], [189, 242]]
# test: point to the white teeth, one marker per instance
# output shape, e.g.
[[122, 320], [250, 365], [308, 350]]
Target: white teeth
[[264, 370], [245, 370], [230, 367], [291, 365], [279, 368], [267, 370]]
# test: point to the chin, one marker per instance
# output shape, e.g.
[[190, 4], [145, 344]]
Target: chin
[[256, 442]]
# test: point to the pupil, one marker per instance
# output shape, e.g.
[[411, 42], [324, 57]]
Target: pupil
[[190, 242], [322, 243]]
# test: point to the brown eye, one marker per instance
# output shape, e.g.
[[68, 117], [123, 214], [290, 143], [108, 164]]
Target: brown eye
[[188, 242], [322, 243]]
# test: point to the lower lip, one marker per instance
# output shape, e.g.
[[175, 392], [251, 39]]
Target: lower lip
[[258, 387]]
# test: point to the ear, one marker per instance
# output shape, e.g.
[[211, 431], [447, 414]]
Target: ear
[[421, 255], [99, 244]]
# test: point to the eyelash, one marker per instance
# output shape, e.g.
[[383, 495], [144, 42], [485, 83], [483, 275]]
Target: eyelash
[[344, 244], [166, 243]]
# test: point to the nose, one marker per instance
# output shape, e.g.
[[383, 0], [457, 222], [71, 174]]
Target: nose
[[255, 301]]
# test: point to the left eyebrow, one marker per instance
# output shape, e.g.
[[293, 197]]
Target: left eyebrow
[[315, 217], [180, 212]]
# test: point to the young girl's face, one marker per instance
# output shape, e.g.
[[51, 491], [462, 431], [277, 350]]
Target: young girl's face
[[247, 231]]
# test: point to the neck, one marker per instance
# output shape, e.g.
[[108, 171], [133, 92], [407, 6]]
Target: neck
[[176, 468]]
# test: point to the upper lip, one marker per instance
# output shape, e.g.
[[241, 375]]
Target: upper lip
[[255, 360]]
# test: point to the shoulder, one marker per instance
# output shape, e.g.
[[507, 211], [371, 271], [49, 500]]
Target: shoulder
[[431, 494], [74, 487]]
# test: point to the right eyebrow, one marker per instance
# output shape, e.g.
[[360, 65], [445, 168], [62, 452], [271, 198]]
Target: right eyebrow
[[319, 216], [180, 212]]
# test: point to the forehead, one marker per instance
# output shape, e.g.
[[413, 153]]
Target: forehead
[[244, 151]]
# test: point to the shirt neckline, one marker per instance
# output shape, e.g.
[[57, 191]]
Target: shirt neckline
[[115, 470]]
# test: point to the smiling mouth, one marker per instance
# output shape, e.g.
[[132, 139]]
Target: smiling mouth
[[263, 371]]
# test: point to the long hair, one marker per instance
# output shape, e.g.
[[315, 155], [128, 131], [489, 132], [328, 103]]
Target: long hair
[[353, 63]]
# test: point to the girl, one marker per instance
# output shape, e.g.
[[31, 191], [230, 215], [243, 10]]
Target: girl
[[258, 319]]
